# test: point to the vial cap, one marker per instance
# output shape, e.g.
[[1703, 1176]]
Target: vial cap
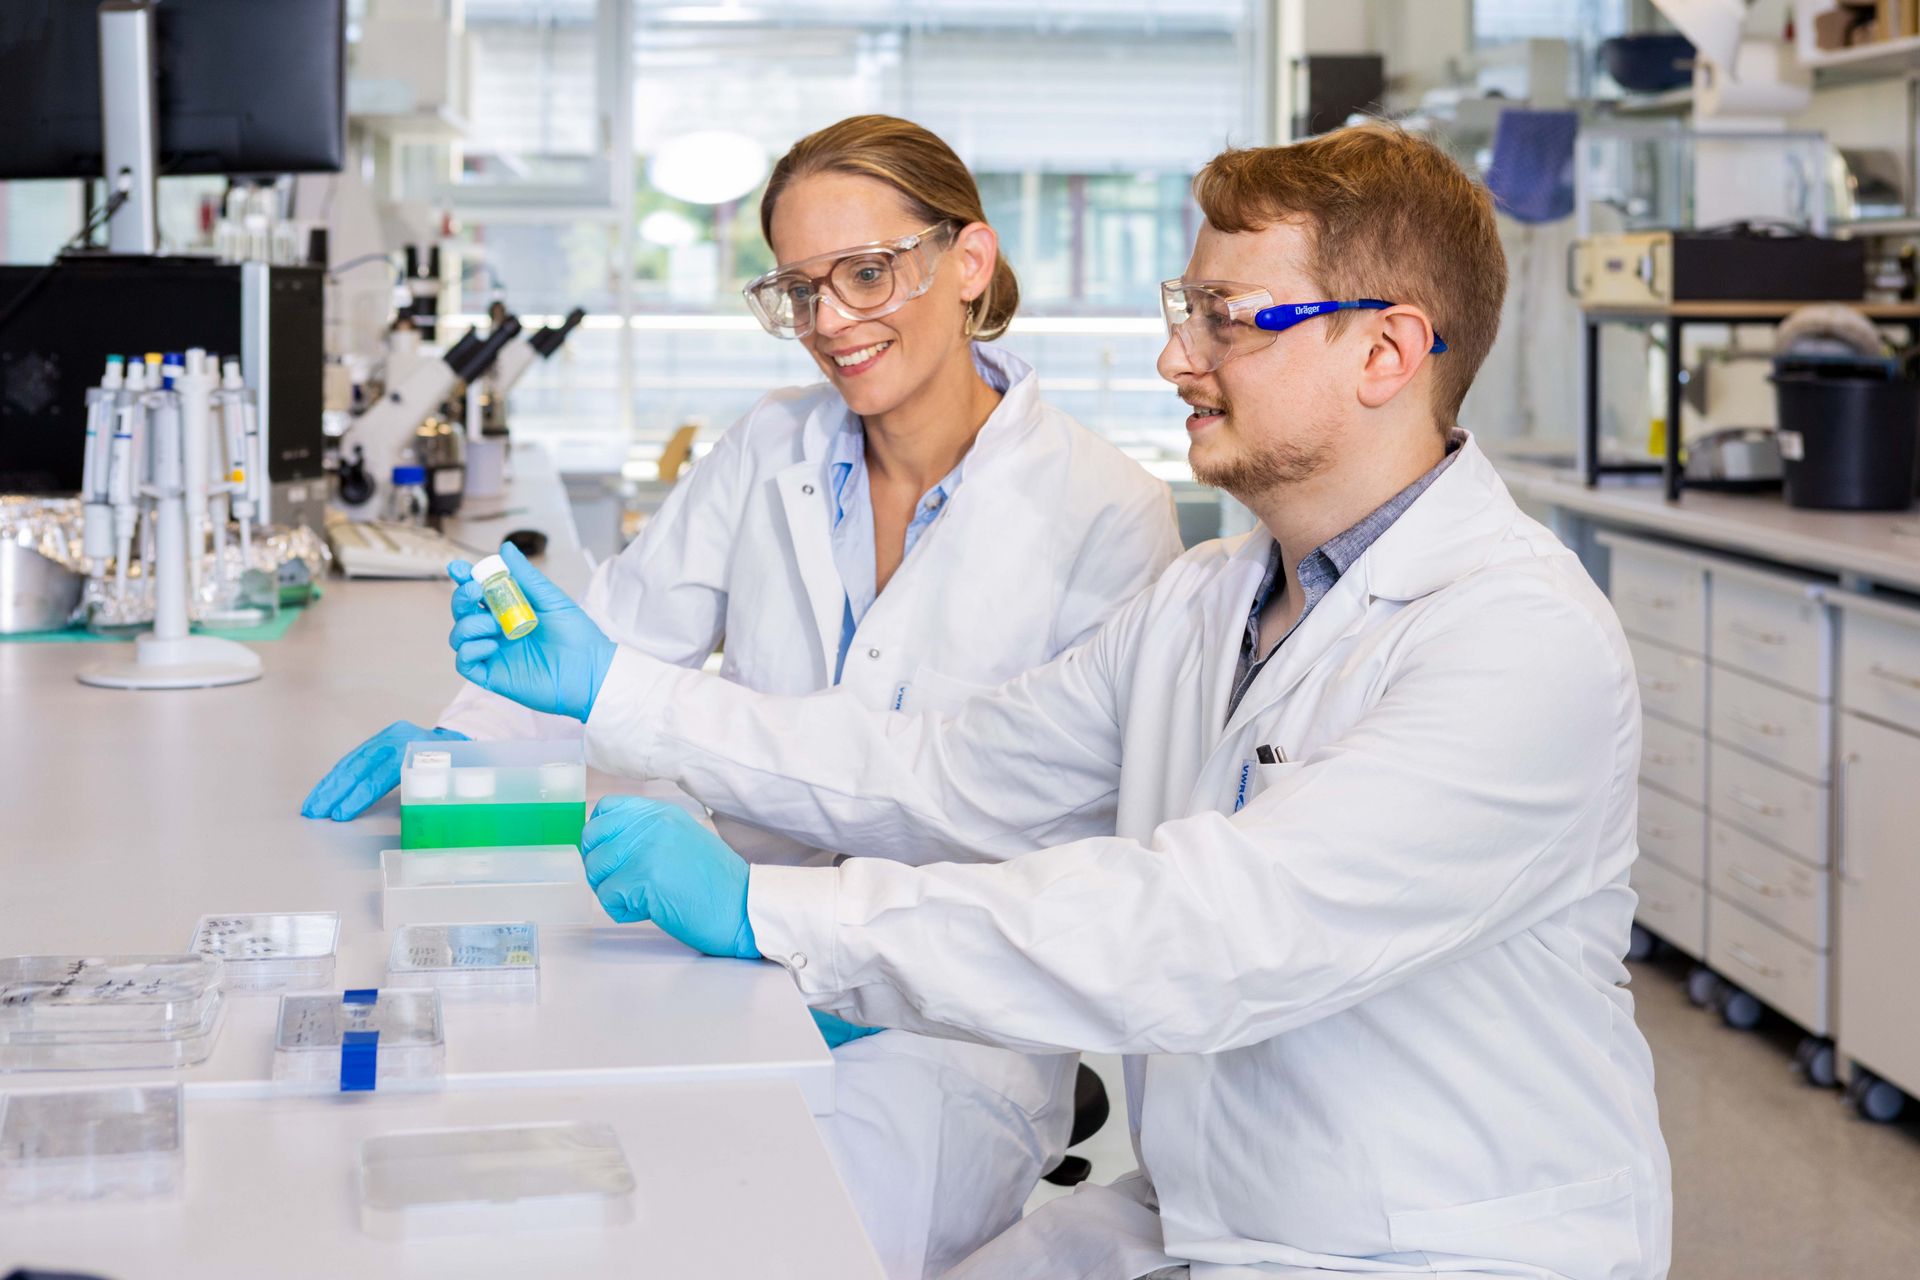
[[409, 475], [488, 567]]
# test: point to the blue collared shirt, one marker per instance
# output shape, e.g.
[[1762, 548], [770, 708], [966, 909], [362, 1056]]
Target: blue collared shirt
[[852, 532], [1320, 570]]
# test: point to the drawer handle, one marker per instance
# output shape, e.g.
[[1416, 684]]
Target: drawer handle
[[1747, 800], [1894, 677], [1847, 868], [1653, 602], [1752, 961], [1658, 686], [1661, 759], [1656, 904], [1755, 883], [1657, 833], [1765, 728], [1747, 631]]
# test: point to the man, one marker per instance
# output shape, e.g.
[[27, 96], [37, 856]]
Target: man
[[1329, 830]]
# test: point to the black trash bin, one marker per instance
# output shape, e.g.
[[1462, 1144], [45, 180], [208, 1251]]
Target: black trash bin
[[1848, 434]]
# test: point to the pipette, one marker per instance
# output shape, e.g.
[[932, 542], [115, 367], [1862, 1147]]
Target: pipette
[[240, 418], [97, 529], [129, 422]]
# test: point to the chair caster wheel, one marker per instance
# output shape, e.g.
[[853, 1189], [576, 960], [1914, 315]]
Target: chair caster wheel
[[1814, 1060], [1641, 944], [1070, 1172], [1702, 984], [1739, 1010], [1875, 1099]]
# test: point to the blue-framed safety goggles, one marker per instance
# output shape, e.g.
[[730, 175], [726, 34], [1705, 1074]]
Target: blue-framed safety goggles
[[1217, 320]]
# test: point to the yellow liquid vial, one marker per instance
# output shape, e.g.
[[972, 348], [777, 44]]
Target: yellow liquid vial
[[504, 599]]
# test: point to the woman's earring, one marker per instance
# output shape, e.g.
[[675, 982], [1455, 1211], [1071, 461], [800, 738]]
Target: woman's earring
[[971, 325]]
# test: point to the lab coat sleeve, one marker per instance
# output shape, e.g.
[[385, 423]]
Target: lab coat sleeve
[[1464, 807], [665, 595], [1033, 763], [1128, 546]]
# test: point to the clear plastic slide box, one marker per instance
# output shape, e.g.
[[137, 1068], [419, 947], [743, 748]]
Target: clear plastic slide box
[[465, 795], [120, 1142], [545, 885], [360, 1041], [61, 1013], [272, 951], [468, 961], [440, 1182]]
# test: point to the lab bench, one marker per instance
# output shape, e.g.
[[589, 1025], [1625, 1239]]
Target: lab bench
[[1778, 656], [131, 815]]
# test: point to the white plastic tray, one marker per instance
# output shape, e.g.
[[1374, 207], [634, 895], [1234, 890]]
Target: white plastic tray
[[438, 1182], [321, 1044], [271, 951], [541, 884], [121, 1142], [484, 961]]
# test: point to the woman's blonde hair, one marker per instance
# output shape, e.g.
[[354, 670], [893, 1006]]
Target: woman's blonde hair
[[926, 173]]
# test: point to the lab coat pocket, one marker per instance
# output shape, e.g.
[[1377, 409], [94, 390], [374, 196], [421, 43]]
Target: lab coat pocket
[[1583, 1230], [930, 690]]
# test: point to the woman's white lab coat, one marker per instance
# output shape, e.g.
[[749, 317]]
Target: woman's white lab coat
[[1048, 533], [1373, 988]]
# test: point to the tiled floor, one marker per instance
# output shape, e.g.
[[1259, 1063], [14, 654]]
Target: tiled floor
[[1770, 1178]]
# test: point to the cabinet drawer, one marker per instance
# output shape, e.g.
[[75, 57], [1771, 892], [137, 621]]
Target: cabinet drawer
[[1660, 598], [1783, 891], [1670, 906], [1787, 811], [1672, 684], [1780, 727], [1673, 833], [1880, 668], [1749, 952], [1774, 632], [1674, 758]]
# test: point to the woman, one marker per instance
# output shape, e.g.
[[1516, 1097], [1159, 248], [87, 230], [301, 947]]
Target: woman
[[919, 526]]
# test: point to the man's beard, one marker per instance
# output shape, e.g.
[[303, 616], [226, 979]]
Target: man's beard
[[1245, 471]]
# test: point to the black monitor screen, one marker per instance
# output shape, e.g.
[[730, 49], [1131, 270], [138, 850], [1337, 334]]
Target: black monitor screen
[[245, 86]]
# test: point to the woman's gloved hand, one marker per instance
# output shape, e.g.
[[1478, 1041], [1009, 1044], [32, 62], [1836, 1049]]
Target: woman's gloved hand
[[647, 860], [557, 667], [837, 1031], [368, 772]]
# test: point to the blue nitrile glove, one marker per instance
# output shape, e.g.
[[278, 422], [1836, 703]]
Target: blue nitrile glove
[[837, 1031], [368, 772], [557, 667], [653, 861]]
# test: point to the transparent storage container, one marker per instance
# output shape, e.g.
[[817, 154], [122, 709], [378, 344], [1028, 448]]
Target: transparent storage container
[[360, 1041], [120, 1142], [544, 885], [272, 951], [463, 795], [441, 1182], [61, 1013], [468, 961]]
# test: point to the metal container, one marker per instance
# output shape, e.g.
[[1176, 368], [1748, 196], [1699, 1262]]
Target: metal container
[[36, 594]]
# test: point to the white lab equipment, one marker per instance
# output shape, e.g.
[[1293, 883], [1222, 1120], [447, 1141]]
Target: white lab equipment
[[152, 468], [97, 467], [1342, 930]]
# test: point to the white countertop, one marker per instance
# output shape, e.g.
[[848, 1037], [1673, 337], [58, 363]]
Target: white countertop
[[733, 1184], [1881, 547], [131, 814]]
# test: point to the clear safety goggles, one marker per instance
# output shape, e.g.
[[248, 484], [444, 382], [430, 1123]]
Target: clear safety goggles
[[861, 283], [1217, 320]]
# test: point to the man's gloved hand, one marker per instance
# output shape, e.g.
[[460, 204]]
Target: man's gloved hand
[[653, 861], [557, 667], [368, 772], [837, 1031]]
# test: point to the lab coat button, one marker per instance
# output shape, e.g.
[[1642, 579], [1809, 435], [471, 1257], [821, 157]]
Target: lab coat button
[[807, 489], [798, 960], [873, 653]]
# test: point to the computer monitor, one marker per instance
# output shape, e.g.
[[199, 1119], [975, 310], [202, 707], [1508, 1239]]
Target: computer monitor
[[245, 87]]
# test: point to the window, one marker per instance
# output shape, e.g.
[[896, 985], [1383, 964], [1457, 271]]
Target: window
[[1099, 113]]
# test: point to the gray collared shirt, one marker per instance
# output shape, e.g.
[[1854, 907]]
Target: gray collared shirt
[[1321, 568]]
